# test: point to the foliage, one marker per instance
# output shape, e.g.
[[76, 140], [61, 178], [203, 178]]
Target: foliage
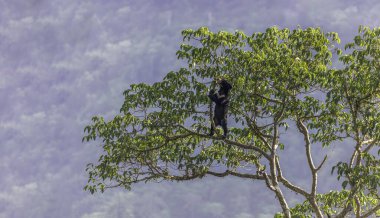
[[281, 79]]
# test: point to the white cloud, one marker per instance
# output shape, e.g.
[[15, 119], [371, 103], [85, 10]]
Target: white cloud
[[111, 52], [18, 196], [33, 118], [124, 9], [341, 17], [15, 28], [26, 189]]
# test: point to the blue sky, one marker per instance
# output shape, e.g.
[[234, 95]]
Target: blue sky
[[61, 62]]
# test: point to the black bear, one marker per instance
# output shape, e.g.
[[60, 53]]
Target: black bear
[[221, 105]]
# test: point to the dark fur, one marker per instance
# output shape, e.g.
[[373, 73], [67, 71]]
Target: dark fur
[[221, 106]]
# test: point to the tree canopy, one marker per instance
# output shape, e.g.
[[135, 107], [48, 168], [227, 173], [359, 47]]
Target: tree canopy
[[282, 80]]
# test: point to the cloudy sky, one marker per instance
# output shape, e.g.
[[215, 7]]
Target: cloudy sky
[[61, 62]]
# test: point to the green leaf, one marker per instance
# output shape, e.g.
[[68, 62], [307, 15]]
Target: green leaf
[[344, 184], [284, 87]]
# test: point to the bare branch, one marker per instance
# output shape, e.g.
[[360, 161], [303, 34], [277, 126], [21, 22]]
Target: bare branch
[[345, 211], [185, 177], [258, 133], [370, 146], [358, 206], [312, 198], [268, 99], [273, 161], [292, 187], [175, 137], [305, 132], [268, 182], [238, 144], [348, 208], [371, 212], [287, 184], [279, 171], [369, 141], [320, 165], [251, 147], [353, 157], [131, 182], [281, 199], [241, 175]]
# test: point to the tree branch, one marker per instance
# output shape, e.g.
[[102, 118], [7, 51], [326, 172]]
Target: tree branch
[[312, 198], [287, 184], [276, 189], [238, 144], [358, 207], [305, 132], [258, 133], [348, 208], [344, 212], [292, 187], [281, 199], [273, 165], [370, 212], [268, 182], [320, 165], [370, 146], [131, 182], [268, 99], [241, 175]]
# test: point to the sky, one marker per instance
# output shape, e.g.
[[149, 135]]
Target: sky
[[62, 62]]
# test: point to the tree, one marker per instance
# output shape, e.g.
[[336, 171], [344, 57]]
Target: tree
[[282, 80]]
